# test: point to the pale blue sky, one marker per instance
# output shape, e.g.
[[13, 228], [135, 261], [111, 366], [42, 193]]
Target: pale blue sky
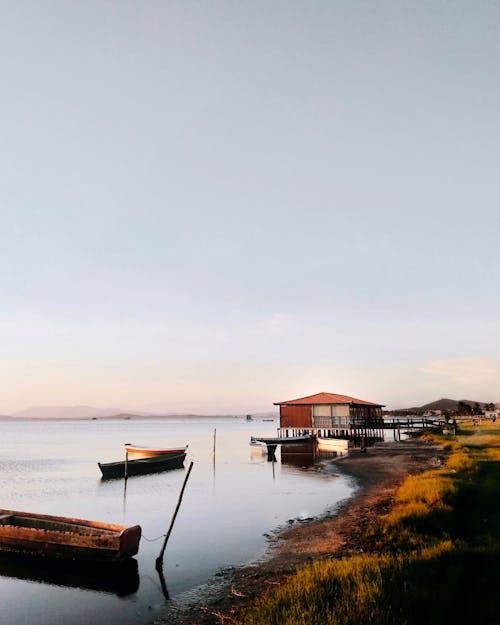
[[212, 206]]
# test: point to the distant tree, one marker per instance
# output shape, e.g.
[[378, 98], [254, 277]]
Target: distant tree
[[463, 408], [477, 409]]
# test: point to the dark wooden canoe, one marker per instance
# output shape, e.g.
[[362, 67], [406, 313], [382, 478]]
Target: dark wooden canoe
[[141, 466], [62, 537], [280, 440]]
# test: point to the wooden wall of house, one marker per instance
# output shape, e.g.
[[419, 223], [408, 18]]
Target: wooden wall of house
[[295, 416]]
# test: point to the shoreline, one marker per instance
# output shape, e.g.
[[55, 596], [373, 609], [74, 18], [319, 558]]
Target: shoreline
[[135, 417], [378, 473]]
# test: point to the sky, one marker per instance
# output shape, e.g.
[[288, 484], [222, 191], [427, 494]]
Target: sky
[[213, 206]]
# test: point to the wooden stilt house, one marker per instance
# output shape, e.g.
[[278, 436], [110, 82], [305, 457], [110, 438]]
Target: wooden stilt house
[[329, 412]]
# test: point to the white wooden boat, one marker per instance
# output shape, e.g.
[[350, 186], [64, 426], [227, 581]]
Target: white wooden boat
[[142, 451], [333, 444]]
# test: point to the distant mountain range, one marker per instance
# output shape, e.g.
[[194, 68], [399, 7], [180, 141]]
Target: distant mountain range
[[91, 412], [64, 412]]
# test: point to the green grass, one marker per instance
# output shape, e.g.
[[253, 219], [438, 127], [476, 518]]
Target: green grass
[[433, 559]]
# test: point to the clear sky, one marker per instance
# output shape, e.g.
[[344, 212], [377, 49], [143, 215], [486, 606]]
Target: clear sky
[[212, 206]]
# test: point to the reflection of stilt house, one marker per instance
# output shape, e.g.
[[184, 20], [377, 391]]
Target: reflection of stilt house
[[329, 414]]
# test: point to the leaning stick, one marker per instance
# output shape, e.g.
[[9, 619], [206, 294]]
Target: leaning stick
[[159, 559]]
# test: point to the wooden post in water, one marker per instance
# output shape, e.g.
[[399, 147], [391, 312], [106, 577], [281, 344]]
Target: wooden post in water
[[159, 559], [126, 464], [213, 451], [363, 446]]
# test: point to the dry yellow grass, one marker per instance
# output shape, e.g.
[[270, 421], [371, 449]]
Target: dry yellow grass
[[415, 554]]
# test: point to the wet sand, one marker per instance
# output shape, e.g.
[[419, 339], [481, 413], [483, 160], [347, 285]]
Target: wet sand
[[378, 472]]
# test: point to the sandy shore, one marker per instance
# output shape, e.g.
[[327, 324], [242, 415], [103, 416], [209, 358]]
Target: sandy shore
[[378, 472]]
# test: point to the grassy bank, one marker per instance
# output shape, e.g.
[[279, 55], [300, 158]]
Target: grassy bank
[[434, 558]]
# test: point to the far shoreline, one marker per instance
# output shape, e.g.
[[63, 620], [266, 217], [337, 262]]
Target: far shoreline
[[134, 417]]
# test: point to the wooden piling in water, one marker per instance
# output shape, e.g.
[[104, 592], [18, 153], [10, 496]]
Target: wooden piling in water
[[159, 559]]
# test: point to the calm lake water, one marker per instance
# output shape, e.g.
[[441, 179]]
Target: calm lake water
[[230, 503]]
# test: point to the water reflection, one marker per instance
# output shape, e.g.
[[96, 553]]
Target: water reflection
[[299, 455], [306, 455], [161, 575], [120, 579]]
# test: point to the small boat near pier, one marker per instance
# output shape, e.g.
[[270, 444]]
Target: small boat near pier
[[338, 445], [280, 440]]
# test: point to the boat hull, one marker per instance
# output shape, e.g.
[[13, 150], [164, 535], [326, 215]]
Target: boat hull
[[135, 452], [66, 538], [280, 440], [141, 466], [334, 444]]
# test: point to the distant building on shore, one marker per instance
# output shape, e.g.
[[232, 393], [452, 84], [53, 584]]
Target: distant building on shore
[[491, 414], [329, 411], [432, 413]]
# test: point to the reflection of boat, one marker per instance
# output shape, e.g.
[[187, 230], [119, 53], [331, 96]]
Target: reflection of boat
[[280, 440], [118, 578], [298, 455], [141, 451], [141, 466], [61, 537], [338, 445], [258, 449]]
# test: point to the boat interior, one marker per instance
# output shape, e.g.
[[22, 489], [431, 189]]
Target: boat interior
[[50, 525]]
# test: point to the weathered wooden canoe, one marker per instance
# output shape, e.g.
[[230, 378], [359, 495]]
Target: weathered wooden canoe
[[141, 466], [140, 451], [62, 537]]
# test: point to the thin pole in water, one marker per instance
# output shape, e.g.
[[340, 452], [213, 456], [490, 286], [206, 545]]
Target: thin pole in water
[[213, 451], [159, 559]]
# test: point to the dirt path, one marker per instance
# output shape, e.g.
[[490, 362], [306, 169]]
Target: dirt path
[[378, 472]]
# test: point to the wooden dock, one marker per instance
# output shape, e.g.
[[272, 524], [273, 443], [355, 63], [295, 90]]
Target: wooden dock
[[398, 424]]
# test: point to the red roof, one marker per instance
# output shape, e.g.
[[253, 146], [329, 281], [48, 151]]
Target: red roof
[[325, 398]]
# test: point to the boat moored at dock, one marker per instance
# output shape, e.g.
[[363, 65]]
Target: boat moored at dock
[[280, 440]]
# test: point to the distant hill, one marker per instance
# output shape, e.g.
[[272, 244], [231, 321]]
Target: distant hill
[[451, 404], [443, 405], [64, 412], [91, 412]]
